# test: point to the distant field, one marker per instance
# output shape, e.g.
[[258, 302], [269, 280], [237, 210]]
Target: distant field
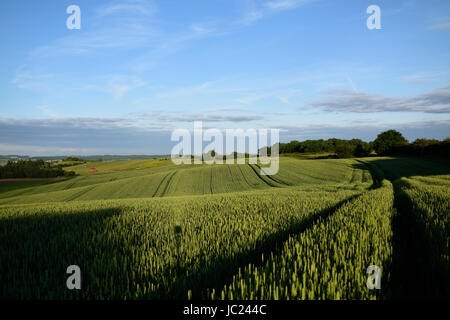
[[227, 232], [162, 179], [113, 166]]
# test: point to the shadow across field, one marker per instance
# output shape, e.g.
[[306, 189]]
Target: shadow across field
[[36, 250], [7, 185], [417, 270], [397, 167], [216, 273]]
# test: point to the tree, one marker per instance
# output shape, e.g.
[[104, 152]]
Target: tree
[[362, 149], [345, 150], [31, 169], [422, 143], [386, 140]]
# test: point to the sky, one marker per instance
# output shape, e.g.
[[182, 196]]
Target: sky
[[138, 69]]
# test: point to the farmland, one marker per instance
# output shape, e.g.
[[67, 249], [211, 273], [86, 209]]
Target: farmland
[[114, 166], [153, 230]]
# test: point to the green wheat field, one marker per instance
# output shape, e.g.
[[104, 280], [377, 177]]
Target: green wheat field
[[148, 229]]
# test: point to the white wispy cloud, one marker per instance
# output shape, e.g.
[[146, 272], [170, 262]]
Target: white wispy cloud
[[128, 36], [115, 85], [48, 111], [257, 11], [284, 95], [418, 78], [351, 83], [118, 86], [440, 26], [118, 24], [287, 95], [29, 78], [204, 87], [141, 7], [250, 99], [125, 25], [284, 4], [201, 29]]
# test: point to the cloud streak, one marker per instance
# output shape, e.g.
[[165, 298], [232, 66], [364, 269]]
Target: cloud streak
[[133, 134], [89, 136], [437, 101], [198, 117]]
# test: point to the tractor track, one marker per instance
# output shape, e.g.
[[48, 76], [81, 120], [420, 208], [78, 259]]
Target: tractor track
[[166, 187], [272, 183], [80, 193], [160, 184]]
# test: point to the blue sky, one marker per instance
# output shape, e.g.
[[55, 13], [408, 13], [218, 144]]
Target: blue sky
[[138, 69]]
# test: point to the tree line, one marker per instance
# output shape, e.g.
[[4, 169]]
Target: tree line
[[32, 169], [389, 142]]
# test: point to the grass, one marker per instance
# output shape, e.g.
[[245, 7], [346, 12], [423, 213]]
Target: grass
[[128, 248], [228, 232]]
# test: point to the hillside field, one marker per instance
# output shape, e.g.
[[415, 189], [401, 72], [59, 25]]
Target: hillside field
[[148, 229]]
